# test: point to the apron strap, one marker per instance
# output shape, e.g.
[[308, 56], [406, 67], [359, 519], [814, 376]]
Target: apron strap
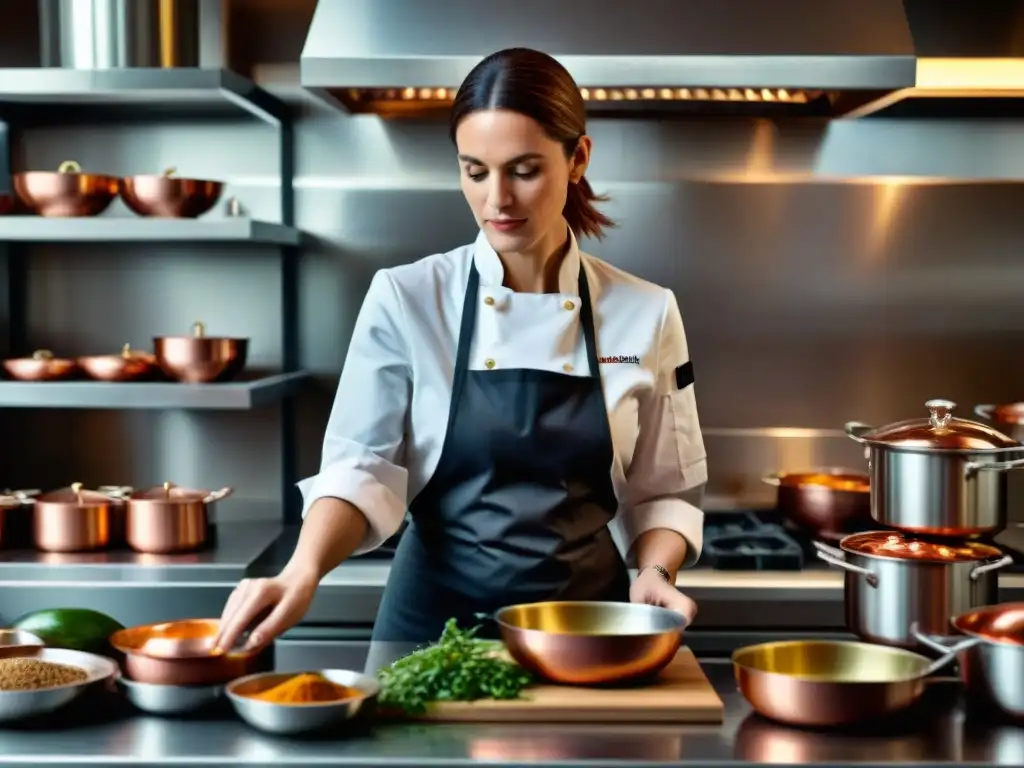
[[468, 326]]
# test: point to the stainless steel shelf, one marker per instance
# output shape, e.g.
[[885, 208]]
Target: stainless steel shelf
[[235, 395], [142, 91], [112, 229]]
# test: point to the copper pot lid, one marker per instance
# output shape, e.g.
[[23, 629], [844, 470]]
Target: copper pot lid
[[76, 494], [1002, 623], [898, 546], [939, 430]]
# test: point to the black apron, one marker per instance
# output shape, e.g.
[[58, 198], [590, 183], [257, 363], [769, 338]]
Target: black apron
[[518, 508]]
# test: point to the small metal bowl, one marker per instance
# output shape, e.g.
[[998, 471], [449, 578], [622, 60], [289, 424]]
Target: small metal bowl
[[168, 699], [41, 366], [168, 196], [14, 642], [18, 705], [293, 719], [128, 365]]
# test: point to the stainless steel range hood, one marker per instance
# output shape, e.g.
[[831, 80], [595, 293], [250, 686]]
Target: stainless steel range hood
[[760, 57], [970, 62]]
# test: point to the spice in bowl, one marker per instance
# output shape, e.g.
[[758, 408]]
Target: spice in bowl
[[24, 674], [306, 688]]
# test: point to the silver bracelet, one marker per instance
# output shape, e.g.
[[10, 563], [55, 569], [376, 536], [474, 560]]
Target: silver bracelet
[[663, 572]]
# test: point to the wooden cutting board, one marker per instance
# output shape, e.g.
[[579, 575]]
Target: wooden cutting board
[[681, 694]]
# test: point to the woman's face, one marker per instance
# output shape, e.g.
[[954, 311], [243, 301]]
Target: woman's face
[[515, 179]]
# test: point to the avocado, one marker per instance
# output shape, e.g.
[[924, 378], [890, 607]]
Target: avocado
[[78, 629]]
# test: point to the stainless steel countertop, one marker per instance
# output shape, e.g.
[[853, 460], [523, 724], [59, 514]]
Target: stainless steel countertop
[[108, 733]]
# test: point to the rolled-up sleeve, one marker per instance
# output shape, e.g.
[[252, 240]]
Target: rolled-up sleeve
[[666, 477], [362, 460]]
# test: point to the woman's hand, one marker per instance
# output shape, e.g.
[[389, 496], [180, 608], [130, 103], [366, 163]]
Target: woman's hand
[[651, 588], [283, 600]]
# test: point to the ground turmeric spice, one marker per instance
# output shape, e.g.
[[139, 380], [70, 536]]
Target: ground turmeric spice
[[307, 688]]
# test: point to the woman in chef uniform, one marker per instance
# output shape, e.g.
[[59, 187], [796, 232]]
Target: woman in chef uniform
[[530, 405]]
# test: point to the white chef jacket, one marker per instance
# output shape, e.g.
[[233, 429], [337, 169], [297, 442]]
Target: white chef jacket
[[390, 413]]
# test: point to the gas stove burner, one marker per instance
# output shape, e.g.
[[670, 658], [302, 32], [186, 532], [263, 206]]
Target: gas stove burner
[[740, 541]]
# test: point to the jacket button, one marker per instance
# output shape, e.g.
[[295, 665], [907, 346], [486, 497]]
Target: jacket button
[[567, 367], [569, 305], [489, 363], [489, 301]]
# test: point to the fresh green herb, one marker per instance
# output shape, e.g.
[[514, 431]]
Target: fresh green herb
[[458, 667]]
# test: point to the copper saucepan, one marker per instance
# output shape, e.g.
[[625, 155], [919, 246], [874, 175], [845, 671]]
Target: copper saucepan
[[201, 359], [169, 519], [829, 503], [68, 192], [128, 365], [42, 366], [832, 683], [181, 653], [169, 196], [74, 519], [1009, 418], [591, 643]]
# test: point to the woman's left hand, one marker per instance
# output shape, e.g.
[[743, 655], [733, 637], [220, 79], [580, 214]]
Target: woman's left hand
[[651, 588]]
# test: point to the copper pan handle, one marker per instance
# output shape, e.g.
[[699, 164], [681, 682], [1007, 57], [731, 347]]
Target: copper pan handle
[[1002, 562], [949, 652], [869, 577], [985, 411], [213, 496]]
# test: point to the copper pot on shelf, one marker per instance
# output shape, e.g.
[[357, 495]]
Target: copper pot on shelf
[[829, 503], [181, 653], [67, 192], [41, 366], [201, 359], [169, 519], [129, 365], [74, 519], [168, 196]]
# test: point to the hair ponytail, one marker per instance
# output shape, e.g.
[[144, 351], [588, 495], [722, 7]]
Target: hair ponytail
[[584, 219]]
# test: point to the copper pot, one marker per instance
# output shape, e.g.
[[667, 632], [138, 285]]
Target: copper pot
[[590, 643], [829, 503], [167, 196], [181, 653], [129, 365], [1009, 418], [42, 366], [200, 359], [169, 519], [74, 520], [831, 683], [68, 192]]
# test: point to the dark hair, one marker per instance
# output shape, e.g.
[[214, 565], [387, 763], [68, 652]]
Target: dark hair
[[536, 85]]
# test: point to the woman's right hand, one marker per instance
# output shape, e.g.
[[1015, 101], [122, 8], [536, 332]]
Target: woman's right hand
[[283, 599]]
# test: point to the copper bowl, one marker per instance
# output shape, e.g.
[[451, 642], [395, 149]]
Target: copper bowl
[[200, 359], [129, 365], [591, 643], [181, 653], [170, 197], [68, 192], [42, 366]]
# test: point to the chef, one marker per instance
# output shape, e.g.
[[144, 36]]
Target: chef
[[531, 406]]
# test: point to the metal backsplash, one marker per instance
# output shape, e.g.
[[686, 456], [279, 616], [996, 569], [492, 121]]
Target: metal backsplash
[[807, 303]]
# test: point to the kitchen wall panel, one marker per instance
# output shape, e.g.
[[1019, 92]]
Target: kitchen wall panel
[[813, 292]]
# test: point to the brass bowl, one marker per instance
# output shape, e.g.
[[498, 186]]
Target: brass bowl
[[170, 197], [129, 365], [180, 653], [200, 359], [42, 366], [66, 192], [591, 643]]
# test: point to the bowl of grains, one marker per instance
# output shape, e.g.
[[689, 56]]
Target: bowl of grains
[[43, 682]]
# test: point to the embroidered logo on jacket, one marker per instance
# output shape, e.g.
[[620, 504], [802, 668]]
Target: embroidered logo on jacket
[[630, 359]]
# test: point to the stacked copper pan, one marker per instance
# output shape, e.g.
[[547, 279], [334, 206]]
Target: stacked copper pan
[[939, 488]]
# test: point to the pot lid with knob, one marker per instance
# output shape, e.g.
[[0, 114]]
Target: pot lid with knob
[[940, 430]]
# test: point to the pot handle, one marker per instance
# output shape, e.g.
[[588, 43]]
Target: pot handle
[[116, 492], [855, 429], [971, 468], [1002, 562], [213, 496], [869, 577], [775, 478], [949, 652], [985, 411], [19, 498]]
